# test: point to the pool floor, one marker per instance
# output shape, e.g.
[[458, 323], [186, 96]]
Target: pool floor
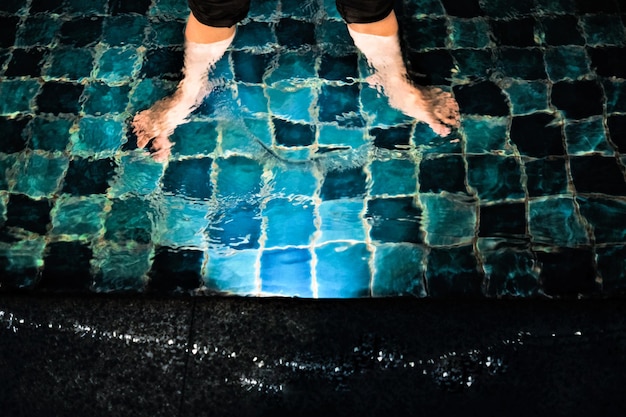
[[294, 177]]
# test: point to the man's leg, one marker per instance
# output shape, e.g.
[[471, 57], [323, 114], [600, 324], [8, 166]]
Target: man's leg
[[374, 28], [209, 32]]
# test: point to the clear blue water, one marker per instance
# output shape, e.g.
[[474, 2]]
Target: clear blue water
[[295, 178]]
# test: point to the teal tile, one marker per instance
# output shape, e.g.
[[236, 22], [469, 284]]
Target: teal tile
[[333, 135], [252, 99], [291, 102], [291, 181], [612, 267], [166, 32], [453, 272], [130, 219], [149, 91], [17, 96], [556, 6], [286, 272], [483, 135], [555, 221], [233, 272], [292, 66], [469, 33], [603, 30], [98, 135], [171, 9], [524, 63], [527, 96], [263, 10], [393, 177], [587, 136], [121, 268], [7, 173], [238, 177], [50, 134], [117, 64], [259, 130], [181, 223], [195, 138], [615, 91], [38, 30], [39, 175], [22, 262], [376, 107], [124, 30], [420, 8], [86, 7], [342, 270], [70, 63], [101, 98], [332, 36], [254, 35], [137, 175], [510, 271], [603, 215], [78, 216], [237, 138], [341, 220], [399, 271], [494, 177], [472, 64], [448, 219], [567, 63], [289, 222]]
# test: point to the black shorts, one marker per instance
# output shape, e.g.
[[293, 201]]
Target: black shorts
[[226, 13]]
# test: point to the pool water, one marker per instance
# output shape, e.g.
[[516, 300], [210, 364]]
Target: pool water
[[294, 177]]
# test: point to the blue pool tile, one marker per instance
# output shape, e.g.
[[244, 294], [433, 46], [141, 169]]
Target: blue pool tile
[[100, 98], [25, 62], [606, 61], [446, 173], [502, 220], [163, 62], [8, 27], [238, 227], [6, 170], [252, 99], [175, 270], [86, 7], [124, 30], [604, 216], [28, 214], [117, 7], [257, 132], [514, 32], [181, 223], [546, 176], [567, 63], [453, 272], [39, 175], [70, 63], [419, 8], [510, 271], [537, 135], [393, 177], [602, 29], [59, 97], [81, 31], [292, 181], [293, 33], [254, 34], [557, 6], [38, 30], [250, 67], [483, 98], [136, 175], [343, 184], [340, 104], [167, 9], [448, 219], [189, 177], [50, 134], [588, 136], [617, 130], [80, 216], [431, 32], [333, 135], [117, 64], [195, 138], [232, 273], [394, 220], [59, 274], [291, 103], [88, 176], [341, 220], [494, 177], [484, 134], [508, 8], [469, 33], [20, 263], [392, 137], [377, 108], [332, 36], [432, 67], [597, 174], [524, 63], [555, 221], [338, 68], [122, 268], [97, 135], [561, 30], [299, 9], [130, 219], [14, 135], [342, 270], [293, 134], [527, 96], [567, 271], [166, 32], [286, 272], [399, 271], [17, 95], [472, 64], [238, 177], [289, 223], [612, 267], [148, 91], [292, 65], [615, 91], [579, 99]]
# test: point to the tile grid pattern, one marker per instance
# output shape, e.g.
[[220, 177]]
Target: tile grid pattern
[[270, 192]]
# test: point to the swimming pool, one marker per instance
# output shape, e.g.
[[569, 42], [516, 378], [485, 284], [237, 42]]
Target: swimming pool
[[295, 178]]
